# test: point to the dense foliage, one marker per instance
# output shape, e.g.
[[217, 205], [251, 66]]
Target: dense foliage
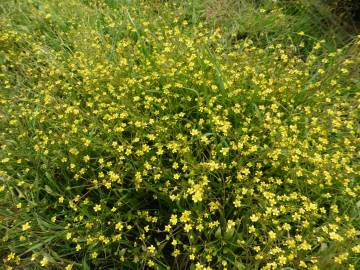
[[135, 135]]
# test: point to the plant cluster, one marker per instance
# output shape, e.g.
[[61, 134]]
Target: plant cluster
[[133, 136]]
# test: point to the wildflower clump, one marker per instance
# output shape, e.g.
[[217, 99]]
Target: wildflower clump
[[134, 136]]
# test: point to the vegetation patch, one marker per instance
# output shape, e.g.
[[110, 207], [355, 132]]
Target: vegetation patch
[[176, 135]]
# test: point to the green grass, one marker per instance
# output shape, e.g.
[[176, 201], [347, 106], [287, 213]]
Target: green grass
[[178, 135]]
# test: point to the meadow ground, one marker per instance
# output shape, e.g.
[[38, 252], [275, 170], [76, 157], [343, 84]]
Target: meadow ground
[[178, 135]]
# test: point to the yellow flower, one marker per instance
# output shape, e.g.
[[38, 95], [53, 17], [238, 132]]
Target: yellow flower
[[185, 216], [26, 226], [173, 219], [341, 258], [187, 227], [356, 249], [44, 261], [305, 246], [152, 249], [272, 235], [11, 256], [119, 226], [200, 227], [97, 208]]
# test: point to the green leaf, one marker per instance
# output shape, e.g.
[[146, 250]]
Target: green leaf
[[218, 233]]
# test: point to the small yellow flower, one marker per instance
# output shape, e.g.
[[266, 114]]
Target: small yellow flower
[[272, 235], [22, 238], [187, 227], [152, 249], [11, 256], [173, 219], [26, 226], [97, 208], [119, 226], [44, 261]]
